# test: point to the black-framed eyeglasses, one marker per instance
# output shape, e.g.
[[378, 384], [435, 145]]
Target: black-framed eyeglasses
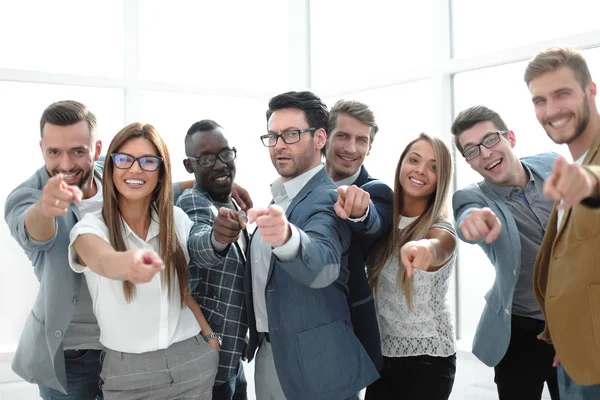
[[288, 137], [208, 160], [492, 139], [125, 161]]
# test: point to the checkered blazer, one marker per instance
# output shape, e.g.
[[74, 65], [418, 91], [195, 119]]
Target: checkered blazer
[[216, 280]]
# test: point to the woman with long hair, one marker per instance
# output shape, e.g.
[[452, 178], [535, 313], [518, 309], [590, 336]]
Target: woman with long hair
[[410, 273], [133, 253]]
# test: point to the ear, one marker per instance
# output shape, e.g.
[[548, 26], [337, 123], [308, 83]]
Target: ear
[[41, 148], [512, 139], [320, 138], [369, 151], [592, 91], [188, 165], [98, 150]]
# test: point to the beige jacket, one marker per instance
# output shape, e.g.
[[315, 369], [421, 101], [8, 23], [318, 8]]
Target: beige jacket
[[567, 284]]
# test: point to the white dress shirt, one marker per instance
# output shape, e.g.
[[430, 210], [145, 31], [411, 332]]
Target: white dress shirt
[[283, 195], [151, 321]]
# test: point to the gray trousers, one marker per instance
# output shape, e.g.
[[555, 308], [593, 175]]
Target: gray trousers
[[185, 370], [266, 381]]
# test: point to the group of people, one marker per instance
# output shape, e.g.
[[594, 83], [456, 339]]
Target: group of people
[[151, 289]]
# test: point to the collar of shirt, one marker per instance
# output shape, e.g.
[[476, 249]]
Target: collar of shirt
[[152, 230], [508, 191], [349, 180], [292, 187]]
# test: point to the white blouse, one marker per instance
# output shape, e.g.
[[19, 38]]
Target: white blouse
[[151, 321], [427, 328]]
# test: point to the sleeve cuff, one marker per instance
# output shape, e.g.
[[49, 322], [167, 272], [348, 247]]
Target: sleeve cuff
[[361, 219], [218, 246], [289, 250]]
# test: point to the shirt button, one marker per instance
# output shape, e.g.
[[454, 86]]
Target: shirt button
[[58, 334], [507, 311], [75, 300], [515, 272]]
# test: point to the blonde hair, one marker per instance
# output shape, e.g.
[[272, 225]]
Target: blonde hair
[[162, 203], [435, 211], [554, 58]]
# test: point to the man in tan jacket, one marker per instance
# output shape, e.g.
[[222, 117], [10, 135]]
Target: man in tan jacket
[[567, 268]]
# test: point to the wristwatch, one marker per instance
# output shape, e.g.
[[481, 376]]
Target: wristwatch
[[214, 335]]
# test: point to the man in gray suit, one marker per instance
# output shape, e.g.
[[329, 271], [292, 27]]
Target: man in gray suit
[[296, 279], [59, 348], [506, 215]]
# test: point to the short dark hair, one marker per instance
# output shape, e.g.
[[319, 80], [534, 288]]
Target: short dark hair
[[66, 113], [470, 117], [355, 109], [201, 126], [317, 114]]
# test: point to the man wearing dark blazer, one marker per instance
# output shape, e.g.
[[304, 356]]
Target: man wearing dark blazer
[[297, 274], [352, 129], [217, 245]]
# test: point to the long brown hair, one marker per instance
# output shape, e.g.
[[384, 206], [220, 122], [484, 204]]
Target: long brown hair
[[162, 203], [435, 211]]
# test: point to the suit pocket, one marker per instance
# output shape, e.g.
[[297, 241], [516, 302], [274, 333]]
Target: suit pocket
[[214, 312], [587, 222], [32, 359], [594, 295], [329, 356]]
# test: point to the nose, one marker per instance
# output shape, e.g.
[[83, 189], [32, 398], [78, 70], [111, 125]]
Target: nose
[[552, 108], [136, 167], [66, 164], [485, 152], [350, 146], [421, 168], [219, 164]]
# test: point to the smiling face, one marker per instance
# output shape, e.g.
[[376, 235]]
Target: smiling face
[[499, 164], [418, 172], [134, 183], [562, 106], [216, 180], [71, 151], [292, 160], [347, 146]]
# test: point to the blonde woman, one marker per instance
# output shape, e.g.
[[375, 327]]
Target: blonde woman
[[410, 275], [133, 253]]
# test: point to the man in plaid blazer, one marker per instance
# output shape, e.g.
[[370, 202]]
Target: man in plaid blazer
[[217, 245]]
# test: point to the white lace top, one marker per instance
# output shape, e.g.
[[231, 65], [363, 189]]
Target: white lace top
[[427, 328]]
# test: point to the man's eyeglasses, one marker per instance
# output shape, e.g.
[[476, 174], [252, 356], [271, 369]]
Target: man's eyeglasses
[[488, 142], [288, 137], [147, 163], [208, 160]]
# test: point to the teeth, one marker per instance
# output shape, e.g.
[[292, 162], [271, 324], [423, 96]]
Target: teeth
[[134, 182], [221, 178], [70, 176], [559, 123], [346, 158], [418, 182], [493, 164]]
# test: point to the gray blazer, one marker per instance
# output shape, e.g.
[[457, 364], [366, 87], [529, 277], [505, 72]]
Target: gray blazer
[[493, 331], [316, 353], [39, 357]]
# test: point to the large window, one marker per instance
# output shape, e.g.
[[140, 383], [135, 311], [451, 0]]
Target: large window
[[174, 63]]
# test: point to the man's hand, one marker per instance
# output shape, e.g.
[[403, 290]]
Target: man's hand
[[556, 361], [417, 254], [228, 225], [57, 196], [242, 197], [272, 224], [481, 223], [569, 184], [352, 202], [142, 265]]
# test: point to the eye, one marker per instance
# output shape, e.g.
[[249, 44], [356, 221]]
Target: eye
[[412, 160], [364, 140], [434, 167], [539, 102]]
